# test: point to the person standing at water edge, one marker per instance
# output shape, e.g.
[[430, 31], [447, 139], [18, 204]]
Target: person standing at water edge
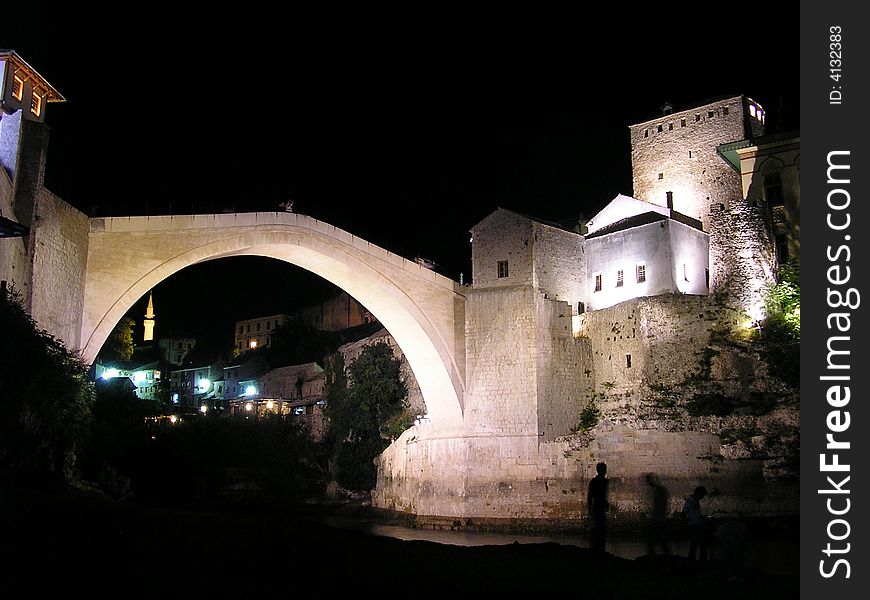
[[598, 507], [698, 532]]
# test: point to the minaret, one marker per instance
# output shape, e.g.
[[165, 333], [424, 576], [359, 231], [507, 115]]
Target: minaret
[[149, 319]]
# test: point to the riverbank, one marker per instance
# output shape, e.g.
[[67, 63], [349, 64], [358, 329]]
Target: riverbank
[[74, 542]]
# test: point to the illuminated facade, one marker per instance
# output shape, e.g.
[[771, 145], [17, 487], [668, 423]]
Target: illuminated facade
[[251, 334]]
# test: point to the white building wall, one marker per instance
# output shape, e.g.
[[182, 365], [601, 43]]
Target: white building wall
[[690, 250], [649, 245]]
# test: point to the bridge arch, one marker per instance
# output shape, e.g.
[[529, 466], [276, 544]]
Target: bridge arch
[[423, 311]]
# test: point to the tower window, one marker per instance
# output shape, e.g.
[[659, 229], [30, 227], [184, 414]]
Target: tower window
[[781, 248], [598, 282], [697, 118], [641, 273], [707, 277], [682, 122], [17, 88], [724, 111], [690, 154], [685, 272], [711, 114], [773, 189], [36, 104], [628, 361], [661, 176], [619, 278], [502, 268], [659, 128], [646, 133], [670, 126]]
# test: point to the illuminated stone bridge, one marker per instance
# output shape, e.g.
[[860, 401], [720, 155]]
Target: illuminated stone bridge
[[424, 311]]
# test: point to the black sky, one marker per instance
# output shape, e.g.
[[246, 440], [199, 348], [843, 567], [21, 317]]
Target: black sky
[[403, 126]]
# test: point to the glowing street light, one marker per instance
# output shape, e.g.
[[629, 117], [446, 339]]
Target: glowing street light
[[173, 419], [249, 407], [250, 391], [203, 409]]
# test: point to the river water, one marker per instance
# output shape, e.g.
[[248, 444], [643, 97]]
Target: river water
[[774, 554]]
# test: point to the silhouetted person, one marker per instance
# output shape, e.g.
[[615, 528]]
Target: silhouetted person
[[699, 534], [598, 507], [657, 527]]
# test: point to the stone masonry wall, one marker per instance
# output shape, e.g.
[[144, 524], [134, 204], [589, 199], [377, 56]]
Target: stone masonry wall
[[501, 338], [696, 180], [502, 236], [59, 247], [14, 264], [560, 264], [697, 406], [564, 370]]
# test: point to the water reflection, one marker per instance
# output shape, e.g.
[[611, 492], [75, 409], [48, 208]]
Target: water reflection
[[771, 556]]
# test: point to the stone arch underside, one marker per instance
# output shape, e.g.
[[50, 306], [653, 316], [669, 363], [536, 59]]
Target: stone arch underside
[[416, 306]]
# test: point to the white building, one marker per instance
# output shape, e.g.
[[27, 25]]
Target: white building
[[631, 248]]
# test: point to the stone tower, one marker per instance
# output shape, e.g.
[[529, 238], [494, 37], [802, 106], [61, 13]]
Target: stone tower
[[676, 163], [46, 257], [149, 319]]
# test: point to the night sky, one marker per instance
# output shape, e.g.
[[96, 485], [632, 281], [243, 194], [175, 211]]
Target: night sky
[[403, 126]]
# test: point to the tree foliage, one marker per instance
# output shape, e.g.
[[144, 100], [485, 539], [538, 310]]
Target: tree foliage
[[45, 396], [781, 330], [120, 345], [367, 409]]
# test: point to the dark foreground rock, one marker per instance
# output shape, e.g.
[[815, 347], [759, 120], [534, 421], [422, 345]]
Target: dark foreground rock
[[75, 543]]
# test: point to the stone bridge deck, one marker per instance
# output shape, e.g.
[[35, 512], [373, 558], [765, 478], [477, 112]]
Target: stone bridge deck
[[424, 311]]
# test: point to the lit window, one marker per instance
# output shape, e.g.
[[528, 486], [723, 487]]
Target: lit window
[[619, 278], [36, 104], [641, 273], [752, 109], [598, 282], [17, 88], [253, 344], [502, 268]]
